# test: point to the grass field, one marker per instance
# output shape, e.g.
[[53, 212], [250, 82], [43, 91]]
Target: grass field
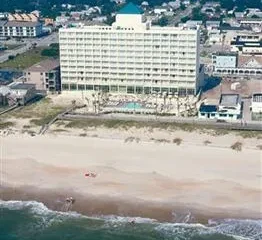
[[24, 60], [13, 46], [43, 108]]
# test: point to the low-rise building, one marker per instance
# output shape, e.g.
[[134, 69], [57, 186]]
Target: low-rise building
[[49, 21], [247, 44], [212, 25], [3, 16], [174, 4], [23, 17], [207, 111], [233, 64], [254, 23], [213, 31], [22, 92], [45, 75], [239, 15], [194, 23], [256, 104], [254, 12], [229, 107], [4, 92], [61, 20], [20, 29], [161, 9]]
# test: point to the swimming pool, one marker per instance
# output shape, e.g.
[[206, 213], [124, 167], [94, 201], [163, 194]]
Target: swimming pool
[[132, 105]]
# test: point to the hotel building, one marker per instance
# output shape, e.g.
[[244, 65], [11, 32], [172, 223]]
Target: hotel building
[[131, 56]]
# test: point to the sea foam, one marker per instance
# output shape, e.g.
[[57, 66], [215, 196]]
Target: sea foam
[[245, 229]]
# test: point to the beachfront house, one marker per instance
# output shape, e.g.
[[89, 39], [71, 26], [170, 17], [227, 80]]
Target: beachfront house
[[229, 107], [207, 111]]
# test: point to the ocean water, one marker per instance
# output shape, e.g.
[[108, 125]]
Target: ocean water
[[32, 220]]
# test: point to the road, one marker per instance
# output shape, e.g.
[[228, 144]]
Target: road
[[44, 41], [4, 57], [41, 42], [180, 14]]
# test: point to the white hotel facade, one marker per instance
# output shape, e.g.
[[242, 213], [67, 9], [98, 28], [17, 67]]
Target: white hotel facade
[[131, 56]]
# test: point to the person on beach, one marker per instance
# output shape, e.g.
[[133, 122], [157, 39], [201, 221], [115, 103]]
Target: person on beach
[[132, 222]]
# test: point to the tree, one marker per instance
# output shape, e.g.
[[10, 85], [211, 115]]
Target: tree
[[184, 19], [197, 15], [217, 9], [227, 4], [109, 19], [11, 57], [202, 2], [52, 51], [182, 6], [163, 21]]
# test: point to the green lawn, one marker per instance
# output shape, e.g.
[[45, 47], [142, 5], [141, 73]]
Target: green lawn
[[13, 46], [24, 60]]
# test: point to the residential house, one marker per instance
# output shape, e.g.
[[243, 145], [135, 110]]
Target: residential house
[[230, 107], [207, 111], [161, 10], [239, 15], [174, 4], [22, 93], [3, 16]]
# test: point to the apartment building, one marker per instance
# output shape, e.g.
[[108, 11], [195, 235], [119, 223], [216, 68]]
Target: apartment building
[[131, 56], [45, 75], [20, 29]]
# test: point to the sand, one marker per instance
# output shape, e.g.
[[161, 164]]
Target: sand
[[144, 179]]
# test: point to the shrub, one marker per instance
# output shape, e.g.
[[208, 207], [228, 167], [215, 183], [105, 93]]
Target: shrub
[[11, 57], [237, 146], [207, 142], [4, 125], [259, 147], [177, 141], [82, 134], [162, 140]]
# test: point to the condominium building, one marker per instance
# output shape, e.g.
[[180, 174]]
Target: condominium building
[[45, 75], [20, 29], [131, 56]]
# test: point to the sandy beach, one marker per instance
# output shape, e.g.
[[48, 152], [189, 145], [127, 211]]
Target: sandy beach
[[147, 179]]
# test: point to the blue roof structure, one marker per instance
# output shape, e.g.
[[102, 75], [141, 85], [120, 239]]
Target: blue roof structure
[[130, 8], [208, 108]]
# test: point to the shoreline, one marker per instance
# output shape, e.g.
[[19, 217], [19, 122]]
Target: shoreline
[[97, 206], [145, 179]]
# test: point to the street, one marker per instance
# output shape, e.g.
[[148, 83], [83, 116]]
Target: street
[[28, 42], [180, 14]]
